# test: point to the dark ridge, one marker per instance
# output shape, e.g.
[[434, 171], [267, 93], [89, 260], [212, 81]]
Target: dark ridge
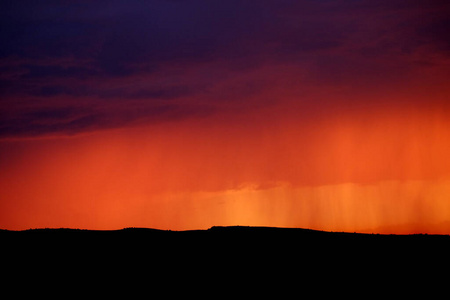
[[233, 249], [235, 231], [219, 242]]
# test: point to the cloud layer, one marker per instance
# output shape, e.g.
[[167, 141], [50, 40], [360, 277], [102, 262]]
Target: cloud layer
[[69, 67]]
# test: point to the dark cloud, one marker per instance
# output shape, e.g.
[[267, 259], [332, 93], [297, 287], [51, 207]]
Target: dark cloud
[[164, 93], [149, 94], [154, 51], [58, 90], [52, 71], [119, 34], [71, 120], [436, 33], [122, 37], [37, 121]]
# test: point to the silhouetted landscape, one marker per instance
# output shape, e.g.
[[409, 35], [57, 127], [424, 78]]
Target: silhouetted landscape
[[245, 235], [223, 249]]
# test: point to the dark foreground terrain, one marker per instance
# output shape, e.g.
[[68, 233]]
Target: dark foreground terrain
[[218, 245], [218, 231], [232, 238], [222, 256]]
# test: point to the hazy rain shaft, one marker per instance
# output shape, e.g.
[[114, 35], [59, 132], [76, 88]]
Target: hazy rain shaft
[[331, 115]]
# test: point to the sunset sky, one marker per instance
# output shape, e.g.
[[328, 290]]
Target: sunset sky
[[172, 114]]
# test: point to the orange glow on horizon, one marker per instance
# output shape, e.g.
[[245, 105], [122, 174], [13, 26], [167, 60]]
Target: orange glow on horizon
[[384, 173]]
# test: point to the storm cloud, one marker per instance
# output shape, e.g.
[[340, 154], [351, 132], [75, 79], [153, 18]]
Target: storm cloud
[[188, 55]]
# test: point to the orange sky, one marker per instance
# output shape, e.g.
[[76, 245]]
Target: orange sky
[[342, 173], [331, 115]]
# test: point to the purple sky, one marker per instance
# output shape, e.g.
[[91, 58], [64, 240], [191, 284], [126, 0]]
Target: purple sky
[[74, 66]]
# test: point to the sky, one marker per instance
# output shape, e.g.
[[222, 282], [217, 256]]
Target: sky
[[186, 114]]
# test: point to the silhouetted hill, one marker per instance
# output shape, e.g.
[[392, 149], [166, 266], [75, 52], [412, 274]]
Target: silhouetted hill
[[221, 230], [241, 235], [240, 251]]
